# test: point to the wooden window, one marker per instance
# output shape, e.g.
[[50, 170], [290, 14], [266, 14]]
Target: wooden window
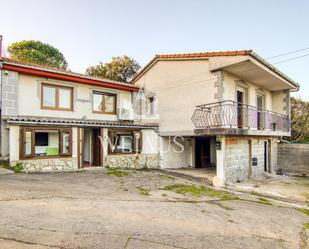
[[104, 103], [42, 142], [125, 142], [55, 97]]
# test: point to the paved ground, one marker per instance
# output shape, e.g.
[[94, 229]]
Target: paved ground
[[96, 210], [288, 187]]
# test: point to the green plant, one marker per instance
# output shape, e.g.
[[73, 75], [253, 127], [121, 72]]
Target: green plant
[[303, 210], [143, 191], [306, 225], [198, 191], [117, 172], [264, 201], [18, 167]]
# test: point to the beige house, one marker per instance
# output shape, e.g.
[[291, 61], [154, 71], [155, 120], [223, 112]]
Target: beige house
[[59, 120], [223, 111]]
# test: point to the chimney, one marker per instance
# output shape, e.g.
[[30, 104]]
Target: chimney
[[1, 45]]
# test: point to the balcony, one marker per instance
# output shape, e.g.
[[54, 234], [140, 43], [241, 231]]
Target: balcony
[[232, 118]]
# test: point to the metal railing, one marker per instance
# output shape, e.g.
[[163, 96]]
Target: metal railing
[[230, 114]]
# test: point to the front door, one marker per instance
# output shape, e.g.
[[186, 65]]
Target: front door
[[202, 152], [96, 152], [240, 101]]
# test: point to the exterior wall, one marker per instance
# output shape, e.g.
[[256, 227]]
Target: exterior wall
[[37, 164], [29, 99], [233, 83], [148, 158], [179, 86], [236, 160], [281, 102], [176, 153], [9, 95], [294, 158], [237, 153]]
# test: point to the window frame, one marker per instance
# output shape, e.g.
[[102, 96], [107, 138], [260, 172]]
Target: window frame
[[22, 142], [56, 107], [103, 95], [129, 133]]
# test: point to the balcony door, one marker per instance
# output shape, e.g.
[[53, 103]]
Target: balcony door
[[240, 102], [260, 107]]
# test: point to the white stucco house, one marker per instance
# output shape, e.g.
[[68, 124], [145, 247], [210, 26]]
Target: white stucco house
[[227, 110], [222, 111], [53, 119]]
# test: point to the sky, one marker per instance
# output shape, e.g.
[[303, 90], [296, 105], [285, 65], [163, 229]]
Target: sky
[[90, 31]]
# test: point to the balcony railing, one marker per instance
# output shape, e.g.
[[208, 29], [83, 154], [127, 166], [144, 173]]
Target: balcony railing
[[230, 114]]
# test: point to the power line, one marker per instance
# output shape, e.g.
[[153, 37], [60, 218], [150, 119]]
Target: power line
[[291, 59], [288, 53]]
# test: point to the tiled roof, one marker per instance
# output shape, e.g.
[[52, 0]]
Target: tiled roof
[[212, 54], [206, 54], [190, 56], [10, 61], [75, 122]]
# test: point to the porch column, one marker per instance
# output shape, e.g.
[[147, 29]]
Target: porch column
[[219, 179]]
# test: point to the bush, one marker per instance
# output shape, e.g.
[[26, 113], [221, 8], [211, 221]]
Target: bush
[[18, 167]]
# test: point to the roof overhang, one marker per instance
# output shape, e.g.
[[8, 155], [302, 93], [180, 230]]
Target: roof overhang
[[66, 76], [254, 69]]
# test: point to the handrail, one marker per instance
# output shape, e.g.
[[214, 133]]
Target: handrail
[[234, 103]]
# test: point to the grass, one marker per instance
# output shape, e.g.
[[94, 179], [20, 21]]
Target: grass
[[199, 190], [264, 201], [17, 168], [303, 210], [306, 225], [143, 191], [117, 172]]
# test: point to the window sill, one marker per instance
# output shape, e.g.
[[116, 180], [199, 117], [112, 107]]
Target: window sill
[[57, 109], [45, 157]]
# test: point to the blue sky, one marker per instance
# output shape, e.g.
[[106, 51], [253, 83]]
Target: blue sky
[[91, 31]]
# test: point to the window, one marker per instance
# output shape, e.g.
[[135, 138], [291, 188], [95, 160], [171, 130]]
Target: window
[[45, 142], [150, 105], [56, 97], [104, 103], [125, 142]]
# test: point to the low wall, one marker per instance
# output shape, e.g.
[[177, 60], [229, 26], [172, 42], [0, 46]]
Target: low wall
[[54, 164], [294, 158], [135, 161]]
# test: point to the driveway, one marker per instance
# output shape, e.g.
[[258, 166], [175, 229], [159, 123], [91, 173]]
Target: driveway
[[139, 209]]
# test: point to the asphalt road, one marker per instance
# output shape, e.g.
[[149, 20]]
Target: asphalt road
[[95, 210]]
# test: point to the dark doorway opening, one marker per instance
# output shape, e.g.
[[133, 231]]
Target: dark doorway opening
[[265, 156], [202, 152], [96, 155], [240, 101]]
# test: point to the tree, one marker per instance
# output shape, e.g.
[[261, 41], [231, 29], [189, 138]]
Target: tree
[[119, 68], [37, 52], [299, 120]]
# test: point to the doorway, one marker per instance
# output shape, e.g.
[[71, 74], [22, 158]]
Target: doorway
[[202, 152], [92, 148], [267, 156], [240, 101], [260, 107]]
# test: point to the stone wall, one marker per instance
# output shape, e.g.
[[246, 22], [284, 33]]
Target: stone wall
[[258, 152], [135, 161], [236, 160], [9, 93], [294, 158], [56, 164]]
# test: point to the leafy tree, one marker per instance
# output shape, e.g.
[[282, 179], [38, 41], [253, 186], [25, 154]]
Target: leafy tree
[[299, 120], [119, 68], [37, 52]]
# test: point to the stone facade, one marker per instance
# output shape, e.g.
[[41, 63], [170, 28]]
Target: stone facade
[[9, 93], [135, 161], [54, 164], [236, 160], [258, 153], [294, 158], [218, 85]]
